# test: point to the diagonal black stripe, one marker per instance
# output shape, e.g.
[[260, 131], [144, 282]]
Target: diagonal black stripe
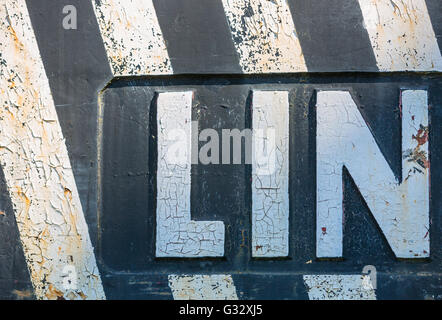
[[197, 36], [15, 282], [332, 35], [77, 68]]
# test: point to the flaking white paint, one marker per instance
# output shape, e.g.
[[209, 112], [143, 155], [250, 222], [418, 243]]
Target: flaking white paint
[[202, 287], [264, 36], [401, 35], [177, 234], [36, 166], [401, 209], [270, 199], [132, 37], [339, 287]]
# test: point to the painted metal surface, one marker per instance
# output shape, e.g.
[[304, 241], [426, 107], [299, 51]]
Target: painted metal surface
[[270, 194], [339, 287], [401, 35], [202, 287], [264, 36], [223, 53], [37, 170], [401, 209], [177, 234], [132, 37]]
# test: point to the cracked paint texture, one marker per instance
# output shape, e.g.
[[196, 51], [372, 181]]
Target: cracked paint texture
[[270, 196], [132, 37], [401, 209], [339, 287], [264, 36], [202, 287], [37, 169], [177, 234], [401, 35]]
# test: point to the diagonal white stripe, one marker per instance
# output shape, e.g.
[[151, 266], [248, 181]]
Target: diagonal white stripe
[[132, 37], [264, 36], [37, 169], [202, 287], [401, 35], [339, 287]]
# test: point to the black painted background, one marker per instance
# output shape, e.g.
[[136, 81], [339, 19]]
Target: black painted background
[[222, 192]]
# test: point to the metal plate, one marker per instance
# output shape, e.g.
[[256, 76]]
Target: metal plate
[[98, 82]]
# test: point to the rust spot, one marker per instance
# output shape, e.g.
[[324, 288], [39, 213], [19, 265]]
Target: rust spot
[[54, 294], [68, 194], [324, 230], [82, 295], [25, 199], [417, 155], [422, 136], [243, 239], [258, 247]]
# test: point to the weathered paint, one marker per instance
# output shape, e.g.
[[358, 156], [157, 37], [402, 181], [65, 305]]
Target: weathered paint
[[270, 192], [401, 209], [339, 287], [132, 37], [202, 287], [37, 169], [417, 280], [264, 36], [401, 35], [177, 234]]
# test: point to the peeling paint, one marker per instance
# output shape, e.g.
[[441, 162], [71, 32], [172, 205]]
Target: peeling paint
[[339, 287], [401, 35], [132, 37], [37, 169], [202, 287], [270, 195], [177, 234], [264, 36], [401, 209]]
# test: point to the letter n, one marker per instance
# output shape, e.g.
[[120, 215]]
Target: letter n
[[400, 208]]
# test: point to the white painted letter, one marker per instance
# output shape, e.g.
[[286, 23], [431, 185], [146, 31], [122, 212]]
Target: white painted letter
[[270, 198], [177, 234], [400, 209]]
